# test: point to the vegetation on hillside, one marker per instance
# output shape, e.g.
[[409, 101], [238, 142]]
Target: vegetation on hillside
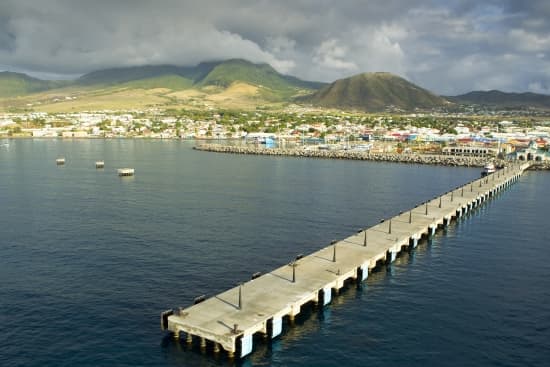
[[239, 84], [374, 92], [17, 84]]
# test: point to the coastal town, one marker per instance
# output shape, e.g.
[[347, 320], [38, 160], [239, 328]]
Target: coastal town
[[457, 134]]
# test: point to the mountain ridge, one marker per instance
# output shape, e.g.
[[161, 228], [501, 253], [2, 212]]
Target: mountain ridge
[[216, 73], [15, 84], [376, 91], [497, 98]]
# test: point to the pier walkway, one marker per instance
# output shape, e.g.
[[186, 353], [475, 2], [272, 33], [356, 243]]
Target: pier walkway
[[230, 319]]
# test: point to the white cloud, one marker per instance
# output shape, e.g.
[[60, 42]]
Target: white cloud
[[447, 47], [332, 54], [538, 87], [530, 42]]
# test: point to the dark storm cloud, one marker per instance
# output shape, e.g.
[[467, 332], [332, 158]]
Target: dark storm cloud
[[447, 46]]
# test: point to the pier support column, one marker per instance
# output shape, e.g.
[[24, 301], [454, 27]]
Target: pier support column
[[327, 295], [364, 271], [432, 229], [277, 326], [189, 338], [203, 343], [217, 348], [246, 345], [390, 256], [177, 335]]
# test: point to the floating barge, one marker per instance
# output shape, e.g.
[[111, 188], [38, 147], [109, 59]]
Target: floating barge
[[123, 172], [99, 164], [60, 161], [230, 319]]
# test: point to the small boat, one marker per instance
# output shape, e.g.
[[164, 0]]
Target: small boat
[[125, 172], [488, 169]]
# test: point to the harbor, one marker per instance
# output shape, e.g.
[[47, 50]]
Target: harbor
[[228, 321]]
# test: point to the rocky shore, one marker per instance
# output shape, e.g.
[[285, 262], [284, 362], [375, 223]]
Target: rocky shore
[[540, 166], [444, 160]]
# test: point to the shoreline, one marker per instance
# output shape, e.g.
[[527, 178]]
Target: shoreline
[[441, 160]]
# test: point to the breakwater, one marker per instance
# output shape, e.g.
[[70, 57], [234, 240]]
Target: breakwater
[[540, 166], [444, 160]]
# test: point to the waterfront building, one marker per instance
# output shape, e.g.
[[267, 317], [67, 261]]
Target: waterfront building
[[533, 153]]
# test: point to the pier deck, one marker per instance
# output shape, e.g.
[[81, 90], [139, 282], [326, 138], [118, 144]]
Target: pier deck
[[230, 319]]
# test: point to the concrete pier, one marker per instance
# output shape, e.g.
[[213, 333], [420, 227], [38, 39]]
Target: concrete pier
[[230, 319]]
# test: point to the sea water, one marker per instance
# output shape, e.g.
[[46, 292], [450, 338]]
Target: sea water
[[88, 260]]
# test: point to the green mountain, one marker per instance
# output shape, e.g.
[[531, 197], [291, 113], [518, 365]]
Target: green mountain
[[374, 92], [220, 73], [123, 75], [500, 99], [17, 84], [227, 72], [169, 81]]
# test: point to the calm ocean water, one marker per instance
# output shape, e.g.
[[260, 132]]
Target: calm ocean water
[[88, 260]]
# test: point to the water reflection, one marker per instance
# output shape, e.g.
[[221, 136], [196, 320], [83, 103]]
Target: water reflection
[[313, 318]]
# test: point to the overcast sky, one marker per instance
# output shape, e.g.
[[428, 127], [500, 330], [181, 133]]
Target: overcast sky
[[449, 47]]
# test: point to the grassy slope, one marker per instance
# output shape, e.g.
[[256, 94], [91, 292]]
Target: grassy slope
[[169, 81], [16, 84], [273, 85], [238, 82], [374, 91], [123, 75]]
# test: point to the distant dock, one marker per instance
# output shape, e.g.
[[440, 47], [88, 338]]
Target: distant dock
[[60, 161], [230, 319], [99, 164]]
